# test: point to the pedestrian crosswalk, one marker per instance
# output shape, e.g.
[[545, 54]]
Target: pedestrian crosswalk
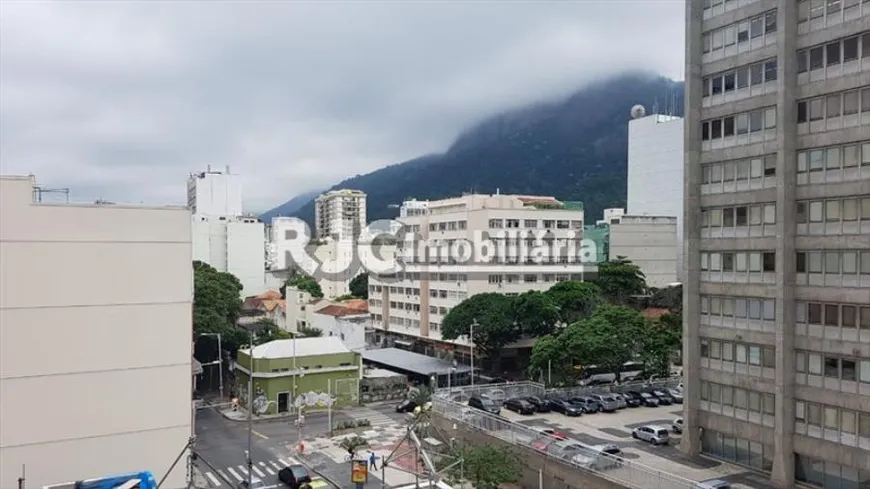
[[376, 418], [231, 476]]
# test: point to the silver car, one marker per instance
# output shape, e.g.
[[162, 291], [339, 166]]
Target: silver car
[[620, 400], [657, 435], [565, 449], [608, 404]]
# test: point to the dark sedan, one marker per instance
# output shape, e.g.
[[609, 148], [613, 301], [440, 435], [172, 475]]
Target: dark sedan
[[294, 476], [519, 406], [567, 408], [647, 399], [632, 399], [664, 398], [541, 405], [406, 406]]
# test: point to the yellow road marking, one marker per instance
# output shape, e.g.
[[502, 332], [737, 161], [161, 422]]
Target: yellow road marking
[[260, 435]]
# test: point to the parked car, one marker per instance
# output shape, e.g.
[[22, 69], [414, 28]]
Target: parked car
[[519, 406], [677, 425], [657, 435], [484, 404], [621, 401], [543, 430], [664, 398], [294, 476], [632, 399], [606, 402], [566, 407], [713, 484], [406, 406], [648, 399], [542, 443], [605, 457], [589, 404], [676, 395], [565, 449], [541, 405]]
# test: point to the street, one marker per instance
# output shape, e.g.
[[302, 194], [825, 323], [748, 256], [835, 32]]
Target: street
[[221, 443]]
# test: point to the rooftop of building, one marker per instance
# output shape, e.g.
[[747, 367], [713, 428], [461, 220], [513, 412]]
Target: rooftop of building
[[51, 196], [300, 347], [342, 192], [341, 311]]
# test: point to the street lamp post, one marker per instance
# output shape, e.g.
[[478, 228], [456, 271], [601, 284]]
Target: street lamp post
[[249, 453]]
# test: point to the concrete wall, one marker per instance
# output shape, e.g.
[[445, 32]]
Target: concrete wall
[[649, 242], [95, 361], [556, 475]]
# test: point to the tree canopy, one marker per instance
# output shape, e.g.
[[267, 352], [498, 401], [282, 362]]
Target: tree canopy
[[304, 283], [359, 286], [575, 300], [620, 279], [494, 315], [216, 307], [536, 313], [485, 466]]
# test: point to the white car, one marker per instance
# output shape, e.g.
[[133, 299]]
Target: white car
[[657, 435], [677, 425]]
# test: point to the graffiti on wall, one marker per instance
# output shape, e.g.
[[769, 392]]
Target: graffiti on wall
[[314, 399]]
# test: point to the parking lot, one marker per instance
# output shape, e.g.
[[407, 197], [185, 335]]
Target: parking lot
[[616, 428]]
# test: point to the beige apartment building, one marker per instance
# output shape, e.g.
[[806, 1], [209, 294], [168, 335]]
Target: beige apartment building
[[777, 225], [95, 338], [411, 306], [340, 214]]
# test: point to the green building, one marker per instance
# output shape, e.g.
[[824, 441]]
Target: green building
[[306, 372]]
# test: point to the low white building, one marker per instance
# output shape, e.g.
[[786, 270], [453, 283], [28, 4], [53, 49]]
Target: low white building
[[349, 324], [234, 244], [95, 339], [650, 242]]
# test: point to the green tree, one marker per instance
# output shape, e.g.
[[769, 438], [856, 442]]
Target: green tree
[[308, 332], [608, 338], [485, 466], [216, 308], [359, 286], [575, 300], [536, 314], [265, 330], [494, 314], [421, 395], [304, 283], [552, 362], [620, 279], [660, 341]]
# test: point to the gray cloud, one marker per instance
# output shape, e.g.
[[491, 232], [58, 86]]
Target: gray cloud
[[120, 100]]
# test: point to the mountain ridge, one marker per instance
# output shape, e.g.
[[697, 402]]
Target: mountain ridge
[[573, 149]]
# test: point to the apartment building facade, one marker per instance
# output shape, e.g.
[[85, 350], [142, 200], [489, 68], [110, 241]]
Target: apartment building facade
[[411, 305], [215, 193], [340, 214], [777, 230], [95, 339]]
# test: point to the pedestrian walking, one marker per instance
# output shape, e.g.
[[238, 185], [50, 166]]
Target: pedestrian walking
[[373, 459]]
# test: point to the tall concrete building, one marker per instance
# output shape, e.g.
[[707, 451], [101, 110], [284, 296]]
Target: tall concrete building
[[214, 193], [777, 228], [340, 214], [655, 170], [234, 244], [439, 268], [95, 339]]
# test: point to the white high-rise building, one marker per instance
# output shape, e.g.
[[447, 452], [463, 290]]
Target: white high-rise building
[[412, 305], [655, 169], [214, 193], [340, 214], [235, 245], [95, 339]]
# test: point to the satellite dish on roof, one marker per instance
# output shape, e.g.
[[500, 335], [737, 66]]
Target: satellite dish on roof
[[637, 111]]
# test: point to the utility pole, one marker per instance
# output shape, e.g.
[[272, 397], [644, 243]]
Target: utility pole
[[249, 453], [22, 479], [220, 367], [471, 340]]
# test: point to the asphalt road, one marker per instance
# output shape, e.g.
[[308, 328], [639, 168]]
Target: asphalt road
[[221, 443]]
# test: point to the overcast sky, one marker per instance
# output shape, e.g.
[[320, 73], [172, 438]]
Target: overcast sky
[[121, 100]]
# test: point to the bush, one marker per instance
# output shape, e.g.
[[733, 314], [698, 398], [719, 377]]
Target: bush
[[362, 423]]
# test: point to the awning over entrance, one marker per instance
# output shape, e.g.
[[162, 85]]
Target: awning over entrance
[[409, 362]]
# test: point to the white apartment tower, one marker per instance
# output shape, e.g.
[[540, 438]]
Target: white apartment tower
[[340, 214], [412, 305], [776, 337], [95, 314], [214, 193], [655, 170]]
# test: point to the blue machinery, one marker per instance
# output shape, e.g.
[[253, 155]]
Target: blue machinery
[[136, 480]]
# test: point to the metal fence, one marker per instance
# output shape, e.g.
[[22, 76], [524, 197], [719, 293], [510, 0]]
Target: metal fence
[[500, 392], [609, 467]]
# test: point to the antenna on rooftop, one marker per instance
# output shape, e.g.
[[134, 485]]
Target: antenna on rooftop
[[39, 190]]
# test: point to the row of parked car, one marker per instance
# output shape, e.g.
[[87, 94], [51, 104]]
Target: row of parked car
[[592, 403]]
